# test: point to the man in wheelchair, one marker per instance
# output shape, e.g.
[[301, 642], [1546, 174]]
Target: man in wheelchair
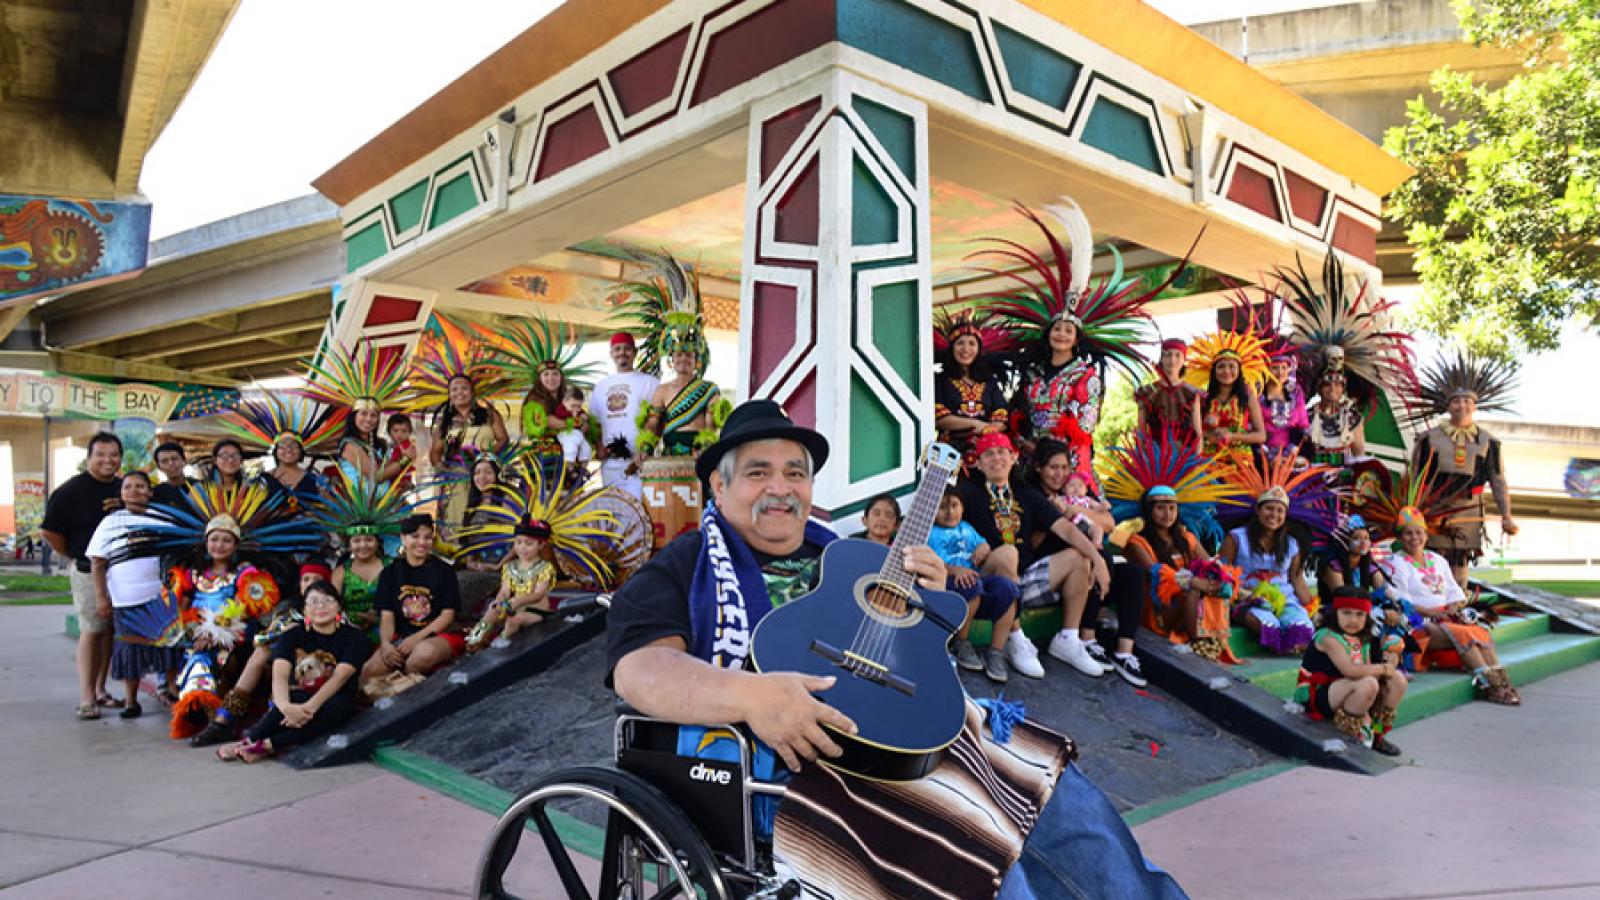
[[677, 641]]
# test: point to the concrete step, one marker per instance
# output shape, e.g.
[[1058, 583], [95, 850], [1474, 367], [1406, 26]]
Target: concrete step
[[1508, 631]]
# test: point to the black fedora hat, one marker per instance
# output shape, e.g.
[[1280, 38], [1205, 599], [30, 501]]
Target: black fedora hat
[[759, 420]]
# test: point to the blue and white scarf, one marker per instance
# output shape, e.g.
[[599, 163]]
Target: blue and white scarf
[[728, 594]]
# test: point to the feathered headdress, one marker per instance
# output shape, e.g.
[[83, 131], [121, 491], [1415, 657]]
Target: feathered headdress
[[360, 505], [666, 304], [260, 518], [1415, 497], [1459, 372], [457, 467], [980, 322], [263, 420], [363, 378], [1148, 464], [1268, 320], [1336, 327], [582, 533], [533, 345], [445, 353], [1243, 346], [1110, 317], [1311, 501]]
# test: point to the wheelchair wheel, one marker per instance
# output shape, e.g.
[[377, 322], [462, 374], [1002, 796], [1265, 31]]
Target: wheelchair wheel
[[651, 849]]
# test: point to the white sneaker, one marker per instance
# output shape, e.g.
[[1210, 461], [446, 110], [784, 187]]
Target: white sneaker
[[1066, 647], [1023, 655]]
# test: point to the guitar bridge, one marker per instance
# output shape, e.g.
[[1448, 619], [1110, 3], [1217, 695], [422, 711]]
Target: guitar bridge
[[861, 667]]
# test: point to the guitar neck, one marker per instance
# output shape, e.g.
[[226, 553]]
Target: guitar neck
[[916, 526]]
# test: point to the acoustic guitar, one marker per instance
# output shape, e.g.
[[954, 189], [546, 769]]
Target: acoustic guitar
[[884, 638]]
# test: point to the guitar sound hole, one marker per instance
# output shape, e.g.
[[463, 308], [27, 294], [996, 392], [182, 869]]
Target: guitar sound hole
[[887, 600]]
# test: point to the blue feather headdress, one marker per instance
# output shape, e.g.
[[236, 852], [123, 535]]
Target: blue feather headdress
[[1130, 473], [259, 517]]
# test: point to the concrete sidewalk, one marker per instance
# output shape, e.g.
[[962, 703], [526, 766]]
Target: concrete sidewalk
[[1498, 803], [115, 807]]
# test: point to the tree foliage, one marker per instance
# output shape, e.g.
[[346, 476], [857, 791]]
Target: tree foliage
[[1119, 414], [1504, 211]]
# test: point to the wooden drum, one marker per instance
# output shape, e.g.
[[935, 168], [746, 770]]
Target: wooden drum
[[672, 496]]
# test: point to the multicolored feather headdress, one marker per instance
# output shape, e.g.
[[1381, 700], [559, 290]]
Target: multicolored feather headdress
[[1415, 497], [993, 335], [582, 533], [262, 420], [457, 467], [1110, 316], [1335, 327], [360, 505], [1460, 372], [447, 351], [366, 377], [1272, 476], [258, 516], [1148, 463], [1244, 347], [667, 305], [533, 345]]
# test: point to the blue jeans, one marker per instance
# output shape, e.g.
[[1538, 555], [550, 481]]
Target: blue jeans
[[1081, 850]]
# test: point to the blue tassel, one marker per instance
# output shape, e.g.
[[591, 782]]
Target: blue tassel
[[1003, 716]]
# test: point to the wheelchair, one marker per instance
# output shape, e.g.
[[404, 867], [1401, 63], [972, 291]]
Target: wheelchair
[[675, 826]]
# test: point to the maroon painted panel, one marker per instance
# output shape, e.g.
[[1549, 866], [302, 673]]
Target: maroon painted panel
[[780, 131], [1306, 199], [797, 212], [802, 404], [1254, 191], [648, 78], [391, 310], [1356, 238], [571, 141], [773, 329], [764, 41]]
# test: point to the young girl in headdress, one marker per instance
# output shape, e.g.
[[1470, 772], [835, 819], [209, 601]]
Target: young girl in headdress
[[1345, 677]]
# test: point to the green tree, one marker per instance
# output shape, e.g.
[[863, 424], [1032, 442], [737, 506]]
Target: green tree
[[1119, 416], [1504, 211]]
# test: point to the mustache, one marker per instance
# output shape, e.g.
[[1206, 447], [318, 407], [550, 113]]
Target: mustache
[[789, 504]]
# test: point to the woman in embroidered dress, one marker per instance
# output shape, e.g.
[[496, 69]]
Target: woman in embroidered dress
[[1335, 431], [1169, 407], [1345, 678], [967, 398], [1172, 491], [1283, 405]]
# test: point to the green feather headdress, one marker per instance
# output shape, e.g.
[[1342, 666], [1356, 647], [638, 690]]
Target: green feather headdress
[[667, 306]]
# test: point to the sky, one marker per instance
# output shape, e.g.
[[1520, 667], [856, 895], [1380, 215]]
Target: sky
[[295, 86]]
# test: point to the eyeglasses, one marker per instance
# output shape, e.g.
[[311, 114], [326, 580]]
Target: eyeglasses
[[323, 599]]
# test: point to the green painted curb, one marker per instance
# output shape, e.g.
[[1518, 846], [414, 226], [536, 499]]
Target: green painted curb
[[478, 794], [1142, 814]]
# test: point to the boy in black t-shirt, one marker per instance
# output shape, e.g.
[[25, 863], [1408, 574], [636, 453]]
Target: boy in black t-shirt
[[417, 599], [313, 680]]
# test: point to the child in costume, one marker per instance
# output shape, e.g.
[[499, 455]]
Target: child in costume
[[1163, 495], [1340, 679], [989, 597], [525, 583], [222, 599], [1274, 602], [313, 680]]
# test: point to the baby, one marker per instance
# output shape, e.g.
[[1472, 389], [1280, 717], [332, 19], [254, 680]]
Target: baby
[[1076, 502]]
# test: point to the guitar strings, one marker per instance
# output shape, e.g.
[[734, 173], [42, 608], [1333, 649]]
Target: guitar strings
[[874, 638]]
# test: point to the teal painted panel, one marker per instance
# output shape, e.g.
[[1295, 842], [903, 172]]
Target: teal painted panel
[[894, 327], [405, 208], [453, 198], [896, 131], [872, 212], [364, 246], [899, 33], [1122, 133], [874, 434], [1036, 70]]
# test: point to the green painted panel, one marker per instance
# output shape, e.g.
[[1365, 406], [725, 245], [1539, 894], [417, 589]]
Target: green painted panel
[[1122, 133], [894, 327], [874, 434], [405, 208], [1036, 70], [1382, 428], [900, 33], [451, 199], [872, 212], [896, 131], [364, 246]]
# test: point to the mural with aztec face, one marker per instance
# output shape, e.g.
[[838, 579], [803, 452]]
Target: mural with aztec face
[[48, 244]]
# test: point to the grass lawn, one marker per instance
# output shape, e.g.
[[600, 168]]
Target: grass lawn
[[46, 600], [35, 583], [1569, 588]]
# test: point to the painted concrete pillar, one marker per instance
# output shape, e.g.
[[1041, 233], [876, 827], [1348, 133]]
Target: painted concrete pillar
[[835, 301]]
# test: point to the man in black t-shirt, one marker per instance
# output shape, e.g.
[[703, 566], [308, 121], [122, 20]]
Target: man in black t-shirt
[[72, 514], [171, 461], [417, 599], [1037, 546]]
